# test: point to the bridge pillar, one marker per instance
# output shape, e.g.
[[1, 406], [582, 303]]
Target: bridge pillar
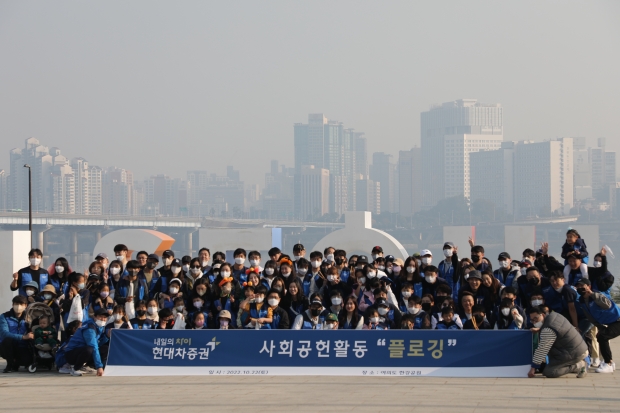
[[41, 238], [74, 248], [189, 243]]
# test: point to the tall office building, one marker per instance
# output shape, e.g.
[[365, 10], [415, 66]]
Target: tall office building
[[449, 133], [368, 195], [3, 190], [314, 185], [603, 164], [543, 178], [383, 171], [582, 170], [278, 194], [409, 181], [492, 176], [361, 156]]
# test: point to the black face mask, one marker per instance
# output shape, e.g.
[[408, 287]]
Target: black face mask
[[141, 313], [315, 312], [475, 258], [426, 307], [338, 260], [151, 265], [533, 281], [479, 318], [581, 290]]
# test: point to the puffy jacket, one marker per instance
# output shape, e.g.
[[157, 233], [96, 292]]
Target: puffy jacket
[[11, 326], [90, 334]]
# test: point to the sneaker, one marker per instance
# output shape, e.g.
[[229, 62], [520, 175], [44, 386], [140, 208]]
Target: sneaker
[[44, 355], [66, 369], [605, 368], [613, 365], [7, 369], [595, 363], [583, 371], [88, 370], [75, 373]]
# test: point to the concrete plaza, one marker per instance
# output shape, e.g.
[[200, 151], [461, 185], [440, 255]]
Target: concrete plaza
[[51, 392]]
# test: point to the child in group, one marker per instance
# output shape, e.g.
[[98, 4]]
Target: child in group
[[44, 337], [575, 246]]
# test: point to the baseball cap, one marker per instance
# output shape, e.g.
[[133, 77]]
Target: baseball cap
[[332, 317], [584, 281], [503, 256], [389, 258], [100, 312], [377, 249], [426, 252], [168, 253], [448, 245], [362, 259], [153, 257], [382, 302], [101, 255], [475, 274]]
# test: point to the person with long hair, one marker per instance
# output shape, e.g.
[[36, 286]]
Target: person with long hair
[[59, 275], [409, 274], [349, 317]]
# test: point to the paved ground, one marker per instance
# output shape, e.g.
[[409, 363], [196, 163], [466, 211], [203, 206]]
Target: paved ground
[[42, 391]]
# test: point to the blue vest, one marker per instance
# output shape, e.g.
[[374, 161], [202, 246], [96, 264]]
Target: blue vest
[[27, 277], [345, 274], [442, 326], [602, 316], [448, 275], [61, 288], [262, 313], [499, 274], [227, 306], [305, 285], [308, 324], [123, 290], [574, 277], [148, 324], [275, 324], [554, 300], [419, 319]]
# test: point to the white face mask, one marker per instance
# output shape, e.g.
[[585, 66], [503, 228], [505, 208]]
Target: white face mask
[[447, 253], [296, 257], [175, 270], [597, 264], [152, 310], [330, 257], [204, 263], [330, 277], [118, 317], [427, 260], [336, 300], [557, 290], [523, 271], [504, 264], [273, 302], [179, 308], [539, 324], [381, 267], [302, 271], [254, 263], [29, 293], [383, 310], [101, 323], [330, 326], [269, 271], [81, 286], [430, 279], [198, 304], [536, 303], [413, 310], [59, 269], [285, 273], [505, 311], [396, 269], [115, 270], [196, 271], [35, 261], [225, 274], [316, 264], [410, 270], [185, 267], [406, 294], [259, 300], [173, 290], [239, 260], [371, 274], [48, 296], [362, 280], [374, 320]]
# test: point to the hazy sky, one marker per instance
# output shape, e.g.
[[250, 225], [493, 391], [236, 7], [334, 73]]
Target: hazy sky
[[163, 87]]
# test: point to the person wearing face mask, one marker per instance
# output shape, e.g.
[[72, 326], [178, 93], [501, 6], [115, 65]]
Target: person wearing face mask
[[102, 299], [204, 255], [602, 280], [405, 293], [224, 320], [118, 320], [255, 260], [165, 271], [341, 264], [89, 345], [148, 273], [532, 280], [174, 291], [224, 295], [194, 274], [421, 318], [329, 254], [238, 269], [304, 275], [313, 318], [48, 297], [152, 310], [180, 312], [426, 259], [121, 251], [373, 320], [334, 283], [115, 274], [478, 321], [77, 288], [299, 251], [508, 317], [268, 274], [331, 322], [447, 267], [200, 303], [59, 275], [396, 269], [431, 280], [411, 275], [31, 289], [561, 342], [14, 335], [367, 298], [388, 313], [280, 320], [174, 270], [199, 321], [214, 274], [317, 280], [561, 298], [376, 252], [257, 313], [33, 272], [505, 273], [478, 259], [131, 289], [286, 268], [603, 313], [335, 302]]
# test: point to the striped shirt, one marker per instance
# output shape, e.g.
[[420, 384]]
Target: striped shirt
[[547, 338]]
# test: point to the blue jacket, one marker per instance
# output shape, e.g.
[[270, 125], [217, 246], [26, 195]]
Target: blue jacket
[[600, 314], [91, 335], [12, 327]]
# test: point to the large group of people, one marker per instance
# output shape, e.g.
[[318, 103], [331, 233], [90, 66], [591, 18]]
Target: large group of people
[[566, 304]]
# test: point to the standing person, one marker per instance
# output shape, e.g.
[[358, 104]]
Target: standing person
[[204, 255], [165, 270], [239, 268], [447, 267], [148, 273], [59, 275], [121, 251], [505, 273], [605, 315], [88, 345], [477, 257], [14, 334], [33, 272], [561, 342]]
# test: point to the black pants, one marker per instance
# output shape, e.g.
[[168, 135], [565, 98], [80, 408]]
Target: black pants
[[14, 354], [80, 356], [604, 335]]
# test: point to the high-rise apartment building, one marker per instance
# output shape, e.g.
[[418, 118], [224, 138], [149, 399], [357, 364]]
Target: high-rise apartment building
[[409, 181], [82, 185], [543, 178], [492, 176], [582, 170], [40, 161], [314, 185], [603, 164], [368, 195], [383, 171], [278, 194], [449, 133], [3, 190], [117, 192]]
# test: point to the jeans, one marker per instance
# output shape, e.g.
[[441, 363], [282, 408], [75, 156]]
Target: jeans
[[80, 356], [555, 369]]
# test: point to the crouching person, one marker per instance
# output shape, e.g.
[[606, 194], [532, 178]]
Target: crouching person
[[14, 335], [561, 341], [89, 345]]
